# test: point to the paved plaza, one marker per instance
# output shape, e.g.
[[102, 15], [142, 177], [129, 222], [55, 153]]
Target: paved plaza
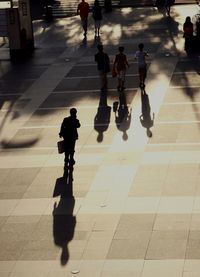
[[136, 205]]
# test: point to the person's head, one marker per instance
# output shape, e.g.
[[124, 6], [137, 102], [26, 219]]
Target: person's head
[[100, 47], [188, 19], [100, 137], [125, 136], [73, 112], [121, 49], [141, 46], [149, 133]]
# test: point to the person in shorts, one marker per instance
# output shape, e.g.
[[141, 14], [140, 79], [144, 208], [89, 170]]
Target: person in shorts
[[120, 65], [140, 56], [97, 16]]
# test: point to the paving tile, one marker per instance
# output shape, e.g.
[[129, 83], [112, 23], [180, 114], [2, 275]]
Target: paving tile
[[165, 133], [146, 189], [29, 273], [192, 251], [175, 205], [135, 222], [122, 267], [18, 231], [16, 86], [171, 113], [181, 95], [195, 222], [6, 266], [164, 222], [30, 206], [167, 245], [133, 248], [191, 268], [18, 179], [142, 205], [164, 268], [59, 274], [5, 274], [7, 206]]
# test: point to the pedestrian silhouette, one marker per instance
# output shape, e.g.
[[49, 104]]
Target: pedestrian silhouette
[[120, 65], [63, 226], [122, 115], [97, 16], [145, 118], [83, 10], [102, 118], [140, 56], [103, 66], [188, 29], [69, 132]]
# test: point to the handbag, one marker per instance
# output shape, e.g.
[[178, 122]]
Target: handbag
[[61, 146]]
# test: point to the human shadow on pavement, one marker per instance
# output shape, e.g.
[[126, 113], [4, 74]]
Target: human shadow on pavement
[[84, 43], [64, 184], [122, 115], [64, 221], [145, 118], [102, 118], [97, 41]]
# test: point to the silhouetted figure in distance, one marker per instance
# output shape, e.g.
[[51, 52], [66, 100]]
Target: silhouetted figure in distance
[[141, 55], [83, 10], [188, 34], [97, 16], [103, 66]]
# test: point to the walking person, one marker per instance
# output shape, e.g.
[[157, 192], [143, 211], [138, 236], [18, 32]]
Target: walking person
[[97, 16], [141, 55], [120, 65], [68, 132], [83, 10], [167, 5], [188, 34], [103, 66]]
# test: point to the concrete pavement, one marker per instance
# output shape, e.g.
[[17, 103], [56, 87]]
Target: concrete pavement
[[135, 210]]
